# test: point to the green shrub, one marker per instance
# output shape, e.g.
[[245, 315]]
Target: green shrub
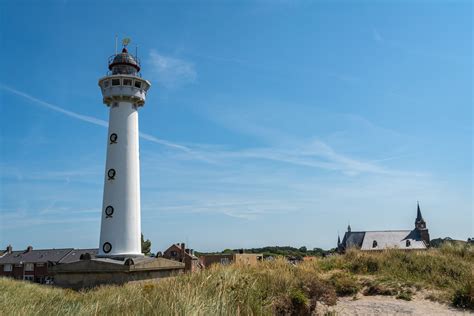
[[344, 284], [405, 295], [299, 302], [379, 289], [464, 296]]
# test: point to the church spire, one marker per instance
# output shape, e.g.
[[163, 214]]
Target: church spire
[[418, 212], [420, 226], [419, 222]]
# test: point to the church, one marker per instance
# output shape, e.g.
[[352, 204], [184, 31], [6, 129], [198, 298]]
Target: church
[[415, 239]]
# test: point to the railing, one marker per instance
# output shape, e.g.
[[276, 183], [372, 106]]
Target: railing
[[137, 74]]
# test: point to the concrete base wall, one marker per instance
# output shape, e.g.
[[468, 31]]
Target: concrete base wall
[[94, 272], [82, 280]]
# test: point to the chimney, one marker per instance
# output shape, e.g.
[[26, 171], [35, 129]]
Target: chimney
[[183, 250], [187, 251], [9, 249], [29, 248]]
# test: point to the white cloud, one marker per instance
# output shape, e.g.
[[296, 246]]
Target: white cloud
[[171, 72], [50, 106], [89, 119]]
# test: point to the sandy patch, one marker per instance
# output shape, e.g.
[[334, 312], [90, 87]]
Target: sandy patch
[[386, 305]]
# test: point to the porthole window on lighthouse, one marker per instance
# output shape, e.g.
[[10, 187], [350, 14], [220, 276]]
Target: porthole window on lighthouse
[[107, 247], [127, 82], [111, 174], [116, 82], [113, 138], [109, 211], [138, 84]]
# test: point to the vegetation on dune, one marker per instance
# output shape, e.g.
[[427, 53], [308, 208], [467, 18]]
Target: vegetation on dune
[[271, 287], [276, 251]]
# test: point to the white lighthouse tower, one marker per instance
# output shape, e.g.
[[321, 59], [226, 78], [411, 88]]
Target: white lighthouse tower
[[124, 93]]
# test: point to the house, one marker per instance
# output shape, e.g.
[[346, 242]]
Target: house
[[237, 258], [179, 252], [415, 239], [34, 265]]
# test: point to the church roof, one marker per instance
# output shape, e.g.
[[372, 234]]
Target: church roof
[[353, 239], [400, 239], [384, 239]]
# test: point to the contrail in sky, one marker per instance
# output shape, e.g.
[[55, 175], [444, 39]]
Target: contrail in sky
[[89, 119]]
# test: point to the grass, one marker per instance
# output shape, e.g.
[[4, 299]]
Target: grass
[[274, 287]]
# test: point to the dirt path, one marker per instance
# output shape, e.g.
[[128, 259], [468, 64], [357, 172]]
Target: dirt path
[[385, 305]]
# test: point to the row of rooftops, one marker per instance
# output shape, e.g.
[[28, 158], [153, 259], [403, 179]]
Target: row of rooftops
[[55, 256]]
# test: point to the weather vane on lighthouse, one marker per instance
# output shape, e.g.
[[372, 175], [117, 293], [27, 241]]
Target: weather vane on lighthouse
[[124, 92]]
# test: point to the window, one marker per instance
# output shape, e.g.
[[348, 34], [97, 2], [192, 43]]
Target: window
[[111, 174], [138, 84], [7, 267], [109, 211], [127, 82], [113, 138], [106, 83], [107, 247], [408, 243], [29, 267], [374, 244], [116, 82]]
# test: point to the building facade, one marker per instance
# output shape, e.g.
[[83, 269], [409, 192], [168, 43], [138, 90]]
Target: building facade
[[35, 265], [414, 239], [179, 252]]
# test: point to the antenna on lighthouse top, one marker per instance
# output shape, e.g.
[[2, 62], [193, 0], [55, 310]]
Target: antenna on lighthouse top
[[126, 41], [116, 39], [136, 51]]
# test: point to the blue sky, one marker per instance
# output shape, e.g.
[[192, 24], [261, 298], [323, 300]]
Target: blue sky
[[268, 122]]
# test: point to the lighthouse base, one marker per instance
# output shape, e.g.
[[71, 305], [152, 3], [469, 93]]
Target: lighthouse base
[[90, 273]]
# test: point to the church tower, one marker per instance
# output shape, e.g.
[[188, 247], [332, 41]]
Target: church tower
[[420, 226]]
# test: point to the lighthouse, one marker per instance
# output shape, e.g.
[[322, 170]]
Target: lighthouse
[[124, 92]]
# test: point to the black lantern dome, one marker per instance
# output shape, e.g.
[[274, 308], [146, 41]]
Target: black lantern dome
[[124, 63]]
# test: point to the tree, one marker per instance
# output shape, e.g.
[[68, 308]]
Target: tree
[[303, 249], [146, 246]]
